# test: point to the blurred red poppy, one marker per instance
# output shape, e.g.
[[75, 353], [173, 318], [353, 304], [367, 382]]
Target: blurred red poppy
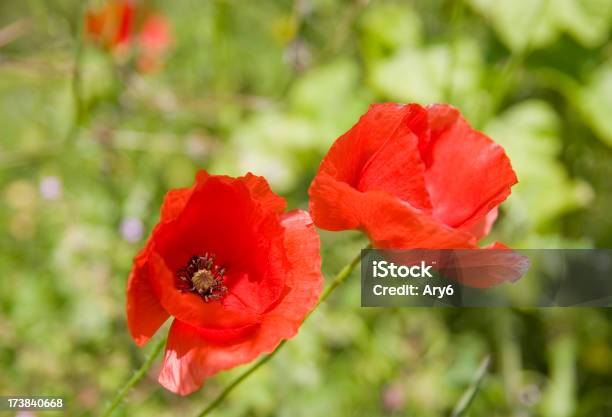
[[412, 177], [112, 25], [237, 274], [121, 25], [153, 41]]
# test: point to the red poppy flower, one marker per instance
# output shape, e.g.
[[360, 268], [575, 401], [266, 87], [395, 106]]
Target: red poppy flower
[[121, 25], [237, 274], [154, 40], [112, 25], [412, 177]]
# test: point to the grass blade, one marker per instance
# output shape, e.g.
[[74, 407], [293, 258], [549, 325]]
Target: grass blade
[[467, 397]]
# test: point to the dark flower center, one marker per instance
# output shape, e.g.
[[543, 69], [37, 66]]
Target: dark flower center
[[202, 276]]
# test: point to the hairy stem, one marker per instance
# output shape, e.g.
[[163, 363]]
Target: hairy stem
[[136, 377]]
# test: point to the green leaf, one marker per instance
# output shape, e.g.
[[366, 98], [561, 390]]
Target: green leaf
[[524, 24], [529, 132], [331, 95], [587, 21], [434, 74], [594, 101], [389, 26], [519, 23], [559, 399], [271, 144]]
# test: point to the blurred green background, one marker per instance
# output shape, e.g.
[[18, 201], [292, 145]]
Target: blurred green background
[[89, 145]]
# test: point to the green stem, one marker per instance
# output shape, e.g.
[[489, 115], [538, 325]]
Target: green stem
[[136, 377], [508, 73], [219, 398], [468, 396], [76, 81], [338, 279]]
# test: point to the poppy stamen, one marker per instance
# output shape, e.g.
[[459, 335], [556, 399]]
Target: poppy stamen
[[203, 277]]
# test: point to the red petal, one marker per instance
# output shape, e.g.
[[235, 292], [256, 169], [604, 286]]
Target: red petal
[[189, 307], [155, 35], [439, 119], [176, 199], [174, 203], [260, 191], [144, 312], [389, 222], [236, 219], [331, 205], [350, 152], [468, 174], [184, 367], [484, 268], [191, 357], [483, 226], [397, 168], [304, 279], [348, 156], [125, 20], [477, 267], [457, 170], [93, 24], [220, 217]]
